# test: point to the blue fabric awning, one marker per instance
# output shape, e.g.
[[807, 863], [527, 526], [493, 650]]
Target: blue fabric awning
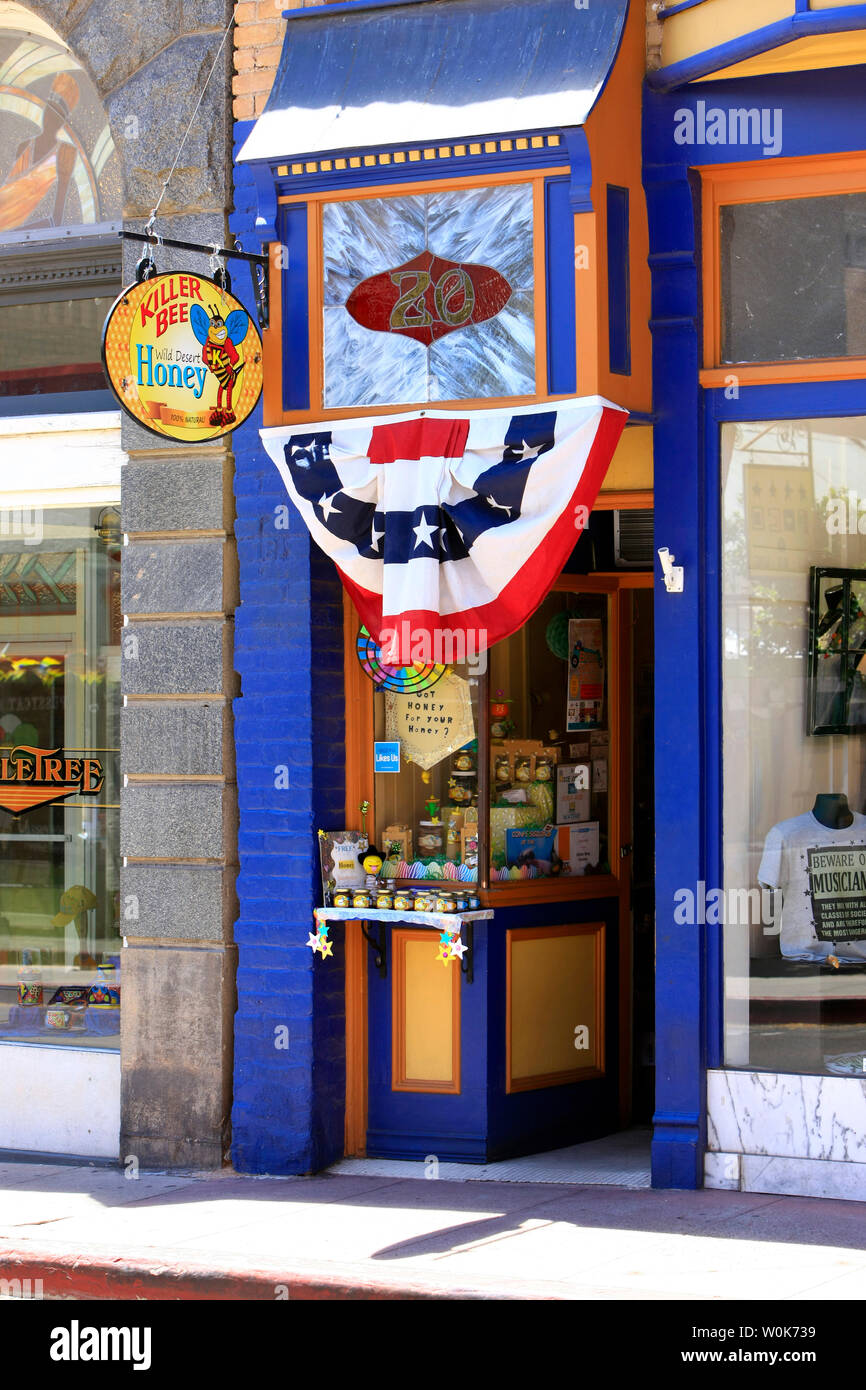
[[429, 70]]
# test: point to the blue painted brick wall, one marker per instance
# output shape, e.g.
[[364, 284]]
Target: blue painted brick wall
[[288, 1110]]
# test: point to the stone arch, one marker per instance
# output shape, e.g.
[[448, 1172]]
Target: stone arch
[[148, 72], [59, 164]]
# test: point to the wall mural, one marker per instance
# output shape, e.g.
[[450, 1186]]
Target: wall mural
[[58, 163]]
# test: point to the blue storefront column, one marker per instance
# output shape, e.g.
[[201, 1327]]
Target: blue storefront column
[[290, 1026], [689, 959], [680, 1113], [289, 1088]]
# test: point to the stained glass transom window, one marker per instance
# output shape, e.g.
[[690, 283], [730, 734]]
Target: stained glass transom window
[[429, 297]]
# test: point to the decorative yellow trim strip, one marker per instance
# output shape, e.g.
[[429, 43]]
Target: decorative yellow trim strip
[[324, 166]]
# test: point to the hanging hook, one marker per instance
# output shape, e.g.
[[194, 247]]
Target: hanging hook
[[149, 232], [218, 272], [146, 268]]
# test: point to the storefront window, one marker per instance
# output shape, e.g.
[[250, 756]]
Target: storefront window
[[794, 688], [550, 743], [52, 346], [500, 771], [60, 197], [59, 737], [793, 279], [427, 804]]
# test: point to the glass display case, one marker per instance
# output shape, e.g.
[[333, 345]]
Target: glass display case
[[427, 808], [549, 743], [503, 774]]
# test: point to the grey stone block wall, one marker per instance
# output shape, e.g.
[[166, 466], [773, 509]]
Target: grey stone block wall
[[171, 658], [193, 986], [159, 576], [186, 737], [189, 901], [179, 590], [167, 495]]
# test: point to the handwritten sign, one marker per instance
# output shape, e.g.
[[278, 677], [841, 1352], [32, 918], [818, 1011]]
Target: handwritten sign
[[433, 724]]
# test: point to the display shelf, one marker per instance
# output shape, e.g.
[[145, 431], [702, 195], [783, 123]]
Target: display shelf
[[441, 920]]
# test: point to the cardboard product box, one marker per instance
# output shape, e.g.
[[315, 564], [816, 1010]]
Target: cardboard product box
[[573, 789], [398, 835], [578, 846], [469, 835], [504, 818], [453, 835], [530, 847]]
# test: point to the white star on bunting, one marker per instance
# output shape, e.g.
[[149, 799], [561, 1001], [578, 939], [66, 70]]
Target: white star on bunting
[[423, 532]]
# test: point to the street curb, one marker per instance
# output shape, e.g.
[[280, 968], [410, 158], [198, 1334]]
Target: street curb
[[101, 1274]]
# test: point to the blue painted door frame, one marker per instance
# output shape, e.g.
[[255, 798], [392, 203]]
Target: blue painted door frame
[[816, 119]]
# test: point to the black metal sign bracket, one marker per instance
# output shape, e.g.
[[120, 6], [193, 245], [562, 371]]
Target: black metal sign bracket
[[258, 264]]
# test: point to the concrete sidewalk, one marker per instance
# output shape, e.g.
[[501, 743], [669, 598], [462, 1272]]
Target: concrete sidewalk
[[90, 1232]]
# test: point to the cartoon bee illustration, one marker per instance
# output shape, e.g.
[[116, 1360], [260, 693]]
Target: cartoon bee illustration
[[220, 338]]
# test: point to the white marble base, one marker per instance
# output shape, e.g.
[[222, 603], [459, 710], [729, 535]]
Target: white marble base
[[786, 1177], [722, 1170], [785, 1116], [788, 1135]]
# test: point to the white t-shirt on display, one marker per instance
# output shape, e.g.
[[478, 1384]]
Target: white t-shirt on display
[[821, 874]]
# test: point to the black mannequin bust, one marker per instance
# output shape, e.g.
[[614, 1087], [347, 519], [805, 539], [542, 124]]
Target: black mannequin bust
[[832, 810]]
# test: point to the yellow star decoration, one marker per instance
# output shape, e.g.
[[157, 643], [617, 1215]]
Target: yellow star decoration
[[326, 946], [445, 953]]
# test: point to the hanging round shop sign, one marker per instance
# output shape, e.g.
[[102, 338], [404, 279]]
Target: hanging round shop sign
[[183, 357]]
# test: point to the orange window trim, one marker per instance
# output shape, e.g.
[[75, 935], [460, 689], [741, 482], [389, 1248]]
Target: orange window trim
[[812, 176]]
